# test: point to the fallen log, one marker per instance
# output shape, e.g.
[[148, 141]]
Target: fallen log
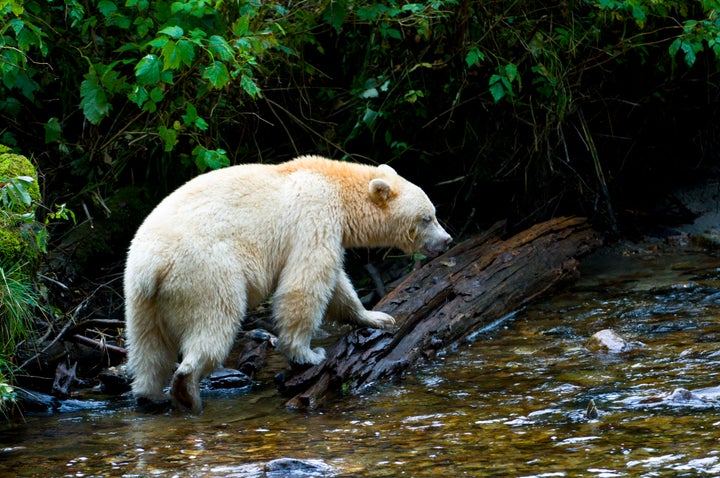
[[447, 300]]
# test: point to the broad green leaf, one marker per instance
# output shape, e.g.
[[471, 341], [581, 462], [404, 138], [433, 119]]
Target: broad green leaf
[[169, 137], [392, 33], [16, 187], [157, 94], [138, 95], [249, 85], [220, 48], [15, 6], [241, 26], [147, 71], [217, 74], [174, 54], [201, 124], [335, 14], [497, 91], [173, 32], [186, 51], [190, 115], [171, 56], [53, 130], [474, 56], [207, 158], [94, 102], [107, 7]]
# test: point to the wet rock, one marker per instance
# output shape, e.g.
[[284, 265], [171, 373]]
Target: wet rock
[[224, 378], [114, 380], [30, 401], [678, 397], [293, 467], [609, 341], [591, 413], [681, 395], [709, 239]]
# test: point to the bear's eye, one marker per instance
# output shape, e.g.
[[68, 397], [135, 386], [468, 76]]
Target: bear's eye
[[426, 218]]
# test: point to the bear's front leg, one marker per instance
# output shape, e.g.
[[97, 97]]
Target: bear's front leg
[[345, 306], [299, 305]]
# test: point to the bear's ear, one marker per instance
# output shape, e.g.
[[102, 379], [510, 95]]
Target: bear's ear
[[384, 168], [380, 191]]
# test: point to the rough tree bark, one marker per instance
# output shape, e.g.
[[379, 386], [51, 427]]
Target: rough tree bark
[[473, 285]]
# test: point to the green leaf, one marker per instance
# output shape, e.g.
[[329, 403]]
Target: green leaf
[[207, 158], [217, 74], [474, 56], [201, 124], [53, 130], [249, 85], [241, 26], [171, 57], [138, 95], [335, 14], [169, 137], [107, 7], [220, 48], [94, 102], [496, 88], [158, 42], [190, 115], [147, 71], [173, 32], [186, 50], [157, 94], [17, 188], [175, 54]]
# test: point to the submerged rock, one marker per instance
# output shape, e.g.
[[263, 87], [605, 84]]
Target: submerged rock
[[293, 467], [609, 341]]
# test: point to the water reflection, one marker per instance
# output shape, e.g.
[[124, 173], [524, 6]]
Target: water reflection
[[511, 403]]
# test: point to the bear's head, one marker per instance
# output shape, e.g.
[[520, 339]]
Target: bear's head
[[408, 215]]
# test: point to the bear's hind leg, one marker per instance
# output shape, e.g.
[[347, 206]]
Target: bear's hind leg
[[152, 354], [204, 348]]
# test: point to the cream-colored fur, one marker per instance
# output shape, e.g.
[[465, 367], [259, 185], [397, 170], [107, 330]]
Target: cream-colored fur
[[229, 239]]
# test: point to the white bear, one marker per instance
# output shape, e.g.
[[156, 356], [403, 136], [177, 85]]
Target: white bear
[[229, 239]]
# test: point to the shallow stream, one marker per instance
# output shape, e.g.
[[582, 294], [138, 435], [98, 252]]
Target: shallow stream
[[513, 403]]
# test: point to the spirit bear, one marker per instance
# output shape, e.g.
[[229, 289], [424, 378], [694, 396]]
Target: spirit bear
[[229, 239]]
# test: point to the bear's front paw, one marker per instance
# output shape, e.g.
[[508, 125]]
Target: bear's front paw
[[378, 320]]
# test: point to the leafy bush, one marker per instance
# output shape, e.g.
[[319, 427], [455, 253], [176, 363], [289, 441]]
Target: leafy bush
[[512, 92]]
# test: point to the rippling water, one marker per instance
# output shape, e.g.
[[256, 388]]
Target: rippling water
[[512, 403]]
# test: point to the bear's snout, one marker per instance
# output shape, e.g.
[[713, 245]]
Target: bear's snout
[[437, 245]]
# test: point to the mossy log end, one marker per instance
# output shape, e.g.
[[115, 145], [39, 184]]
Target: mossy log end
[[446, 301]]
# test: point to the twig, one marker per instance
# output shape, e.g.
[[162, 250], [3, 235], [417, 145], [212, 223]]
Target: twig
[[81, 339], [54, 341]]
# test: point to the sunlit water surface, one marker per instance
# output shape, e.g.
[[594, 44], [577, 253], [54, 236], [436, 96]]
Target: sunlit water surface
[[513, 403]]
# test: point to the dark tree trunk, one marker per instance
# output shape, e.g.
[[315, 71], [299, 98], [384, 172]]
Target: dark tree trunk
[[446, 301]]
